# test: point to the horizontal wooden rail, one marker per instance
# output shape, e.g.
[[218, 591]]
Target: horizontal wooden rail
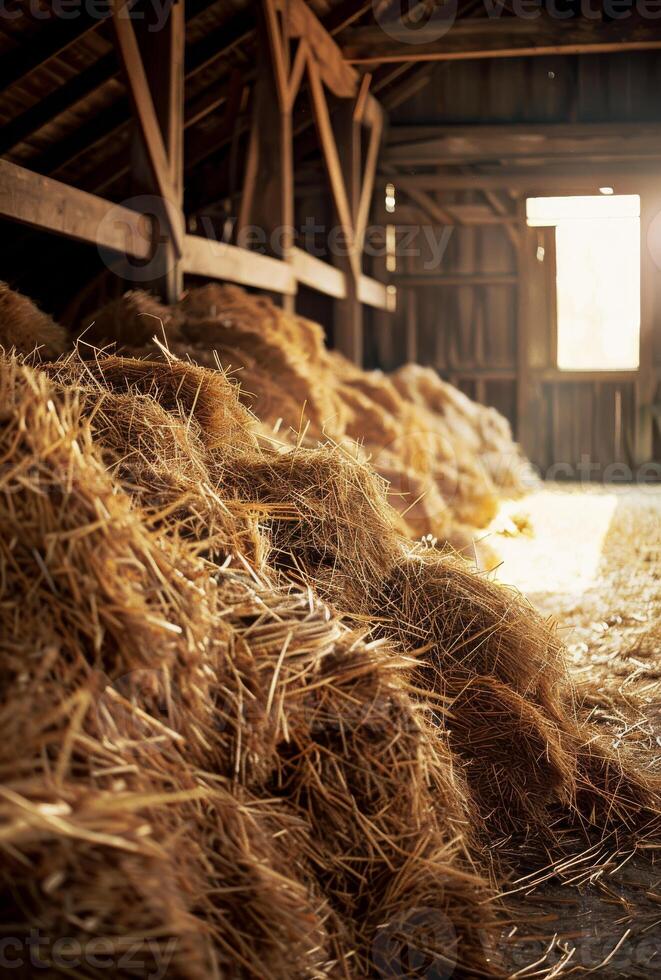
[[50, 205], [568, 376], [217, 260], [371, 292], [53, 206], [318, 275]]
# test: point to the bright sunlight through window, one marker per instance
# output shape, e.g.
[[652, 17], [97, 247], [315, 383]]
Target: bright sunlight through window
[[598, 278]]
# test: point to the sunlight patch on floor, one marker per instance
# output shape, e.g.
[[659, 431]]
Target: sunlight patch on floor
[[563, 551]]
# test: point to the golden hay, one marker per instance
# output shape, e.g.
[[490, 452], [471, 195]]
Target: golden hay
[[191, 392], [479, 643], [156, 691], [478, 434], [199, 752], [24, 328], [294, 384], [132, 320]]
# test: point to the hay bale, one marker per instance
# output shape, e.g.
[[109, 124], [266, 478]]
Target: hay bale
[[513, 712], [188, 391], [161, 463], [423, 429], [329, 518], [132, 321], [479, 434], [25, 329], [232, 308], [170, 701]]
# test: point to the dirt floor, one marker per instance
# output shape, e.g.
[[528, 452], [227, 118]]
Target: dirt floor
[[591, 559]]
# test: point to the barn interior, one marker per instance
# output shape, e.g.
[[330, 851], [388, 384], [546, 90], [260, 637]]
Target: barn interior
[[330, 488]]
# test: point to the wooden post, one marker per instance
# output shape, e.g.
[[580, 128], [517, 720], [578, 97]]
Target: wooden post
[[348, 314], [650, 303], [523, 318], [162, 53], [267, 211], [411, 326]]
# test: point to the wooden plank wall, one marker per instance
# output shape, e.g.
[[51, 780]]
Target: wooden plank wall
[[471, 333]]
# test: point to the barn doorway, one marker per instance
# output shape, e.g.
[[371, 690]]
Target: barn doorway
[[597, 257]]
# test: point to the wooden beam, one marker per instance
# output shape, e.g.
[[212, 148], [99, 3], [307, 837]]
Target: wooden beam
[[332, 162], [650, 308], [74, 90], [217, 260], [368, 179], [55, 37], [152, 134], [503, 37], [344, 169], [541, 180], [420, 145], [500, 212], [336, 74], [371, 292], [47, 204], [560, 376], [268, 200], [343, 14], [279, 53], [411, 325], [319, 275], [154, 62], [432, 208]]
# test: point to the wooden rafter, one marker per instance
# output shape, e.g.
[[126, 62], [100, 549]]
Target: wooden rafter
[[53, 41], [368, 180], [85, 82], [569, 179], [339, 77], [502, 37], [58, 101], [427, 145]]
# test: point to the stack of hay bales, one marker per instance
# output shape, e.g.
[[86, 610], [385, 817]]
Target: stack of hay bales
[[248, 728], [446, 460]]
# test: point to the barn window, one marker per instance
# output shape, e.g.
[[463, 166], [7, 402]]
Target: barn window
[[597, 278]]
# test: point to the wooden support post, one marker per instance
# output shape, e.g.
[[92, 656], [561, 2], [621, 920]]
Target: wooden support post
[[524, 313], [411, 326], [153, 61], [650, 304], [266, 215], [348, 314]]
